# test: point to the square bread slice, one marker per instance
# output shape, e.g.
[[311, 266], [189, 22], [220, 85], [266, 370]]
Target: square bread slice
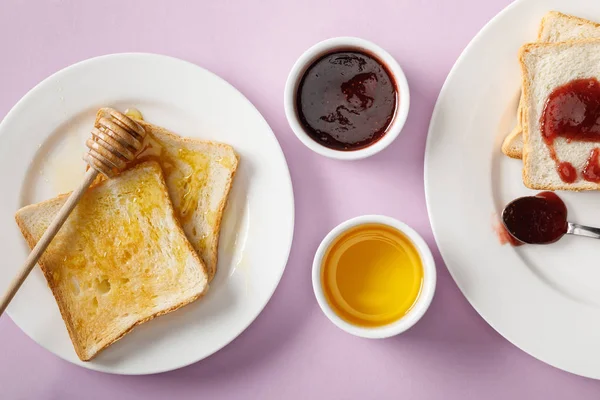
[[558, 27], [199, 175], [545, 67], [554, 27], [120, 260]]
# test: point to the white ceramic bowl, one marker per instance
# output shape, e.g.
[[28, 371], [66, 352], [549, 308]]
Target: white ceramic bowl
[[337, 44], [418, 309]]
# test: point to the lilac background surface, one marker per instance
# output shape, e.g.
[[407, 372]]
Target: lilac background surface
[[291, 351]]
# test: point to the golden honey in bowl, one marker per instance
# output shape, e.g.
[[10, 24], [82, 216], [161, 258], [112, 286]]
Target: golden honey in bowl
[[372, 275]]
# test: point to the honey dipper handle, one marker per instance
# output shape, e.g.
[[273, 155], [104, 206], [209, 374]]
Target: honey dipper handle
[[46, 238]]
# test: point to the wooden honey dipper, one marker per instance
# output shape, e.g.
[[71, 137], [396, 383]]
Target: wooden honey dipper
[[116, 139]]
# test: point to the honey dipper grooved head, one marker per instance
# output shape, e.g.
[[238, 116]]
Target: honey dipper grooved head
[[115, 140]]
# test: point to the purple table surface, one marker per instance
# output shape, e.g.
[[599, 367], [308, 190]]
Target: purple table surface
[[291, 351]]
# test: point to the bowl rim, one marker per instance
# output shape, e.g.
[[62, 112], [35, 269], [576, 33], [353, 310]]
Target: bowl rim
[[425, 296], [349, 43]]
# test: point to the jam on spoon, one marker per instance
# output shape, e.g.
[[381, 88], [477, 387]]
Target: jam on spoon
[[541, 219]]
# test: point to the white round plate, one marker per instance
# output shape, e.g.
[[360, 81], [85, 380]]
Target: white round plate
[[41, 143], [544, 299]]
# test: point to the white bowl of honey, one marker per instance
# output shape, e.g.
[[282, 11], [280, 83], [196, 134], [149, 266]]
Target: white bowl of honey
[[374, 276]]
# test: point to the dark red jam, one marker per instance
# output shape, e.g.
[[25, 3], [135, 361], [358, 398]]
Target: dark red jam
[[536, 219], [346, 100], [591, 171], [572, 111]]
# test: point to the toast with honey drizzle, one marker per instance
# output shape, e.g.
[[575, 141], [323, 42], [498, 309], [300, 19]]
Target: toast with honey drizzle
[[121, 258], [199, 175]]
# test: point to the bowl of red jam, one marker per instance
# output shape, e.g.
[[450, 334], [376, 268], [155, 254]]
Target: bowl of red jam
[[346, 98]]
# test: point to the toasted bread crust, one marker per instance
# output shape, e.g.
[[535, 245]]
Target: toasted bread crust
[[558, 14], [544, 20], [139, 322], [63, 303], [64, 310], [526, 92], [508, 147]]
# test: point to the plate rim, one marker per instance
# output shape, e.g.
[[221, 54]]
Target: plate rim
[[428, 195], [57, 75]]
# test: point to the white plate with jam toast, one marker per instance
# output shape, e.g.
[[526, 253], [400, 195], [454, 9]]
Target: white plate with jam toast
[[518, 114], [204, 223]]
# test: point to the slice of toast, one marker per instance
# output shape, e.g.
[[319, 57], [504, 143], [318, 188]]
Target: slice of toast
[[545, 67], [199, 175], [120, 260], [554, 27]]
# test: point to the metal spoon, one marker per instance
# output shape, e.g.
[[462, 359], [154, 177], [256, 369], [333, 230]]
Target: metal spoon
[[542, 219], [582, 230]]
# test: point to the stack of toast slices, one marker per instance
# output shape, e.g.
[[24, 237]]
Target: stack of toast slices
[[567, 49], [139, 245]]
